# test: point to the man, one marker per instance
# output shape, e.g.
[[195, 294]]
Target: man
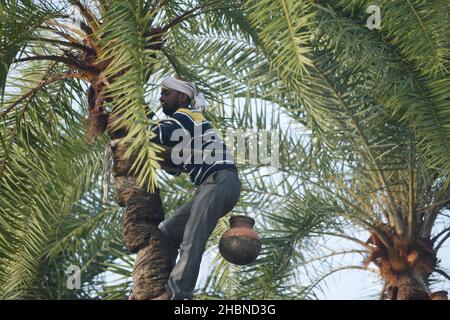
[[213, 172]]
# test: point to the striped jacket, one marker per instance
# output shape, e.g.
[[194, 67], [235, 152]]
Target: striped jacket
[[198, 148]]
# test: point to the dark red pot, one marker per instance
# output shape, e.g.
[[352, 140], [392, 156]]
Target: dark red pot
[[240, 244]]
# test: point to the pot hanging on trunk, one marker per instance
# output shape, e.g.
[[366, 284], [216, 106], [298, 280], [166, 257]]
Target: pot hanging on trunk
[[240, 244]]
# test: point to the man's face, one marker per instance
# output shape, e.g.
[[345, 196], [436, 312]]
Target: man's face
[[171, 100]]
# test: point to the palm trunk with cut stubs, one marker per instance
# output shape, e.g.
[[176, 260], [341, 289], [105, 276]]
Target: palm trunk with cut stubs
[[143, 210], [143, 213], [405, 264], [411, 286]]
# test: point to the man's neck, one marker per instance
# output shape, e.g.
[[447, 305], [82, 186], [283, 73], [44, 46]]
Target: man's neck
[[183, 107]]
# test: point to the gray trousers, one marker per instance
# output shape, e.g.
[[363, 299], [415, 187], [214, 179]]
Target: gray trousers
[[189, 228]]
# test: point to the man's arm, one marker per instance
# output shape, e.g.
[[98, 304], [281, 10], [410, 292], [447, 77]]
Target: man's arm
[[163, 132]]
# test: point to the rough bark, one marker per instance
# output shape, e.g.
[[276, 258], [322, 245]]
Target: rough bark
[[151, 267], [405, 264], [409, 286], [143, 213]]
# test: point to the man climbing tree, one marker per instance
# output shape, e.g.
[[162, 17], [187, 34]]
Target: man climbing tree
[[198, 150]]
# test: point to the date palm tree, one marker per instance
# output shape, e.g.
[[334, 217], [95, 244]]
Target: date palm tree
[[363, 116], [375, 170], [59, 60]]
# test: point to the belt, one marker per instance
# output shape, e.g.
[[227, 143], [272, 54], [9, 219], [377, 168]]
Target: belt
[[227, 169]]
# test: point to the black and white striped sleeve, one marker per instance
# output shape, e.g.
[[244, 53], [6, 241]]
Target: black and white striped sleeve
[[164, 130]]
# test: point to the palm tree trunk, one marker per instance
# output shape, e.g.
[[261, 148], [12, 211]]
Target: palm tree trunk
[[143, 213], [409, 286], [144, 210], [405, 264]]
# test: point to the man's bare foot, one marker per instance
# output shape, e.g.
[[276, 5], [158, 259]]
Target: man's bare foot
[[164, 296]]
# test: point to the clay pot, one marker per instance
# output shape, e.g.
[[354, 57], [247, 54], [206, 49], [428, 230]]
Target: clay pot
[[240, 244]]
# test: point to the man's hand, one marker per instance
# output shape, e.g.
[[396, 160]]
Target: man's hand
[[167, 164]]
